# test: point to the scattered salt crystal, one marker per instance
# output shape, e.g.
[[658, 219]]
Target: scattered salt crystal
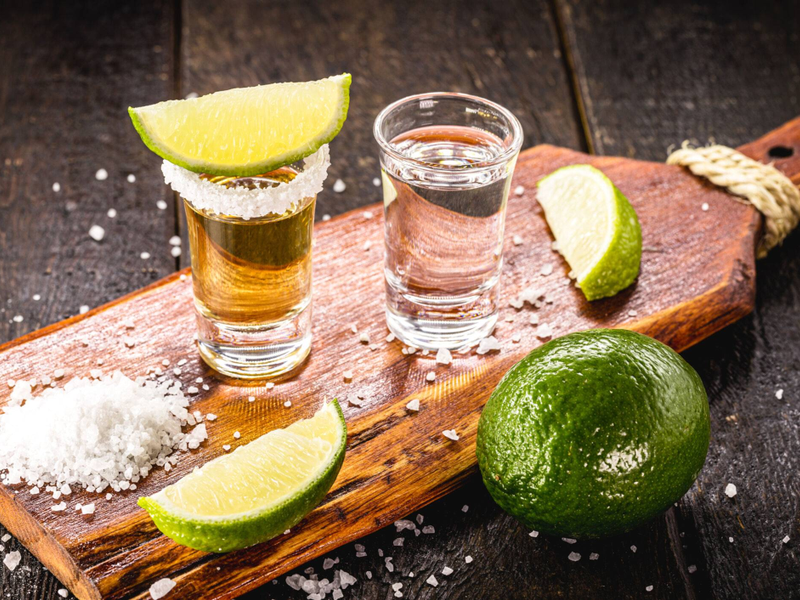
[[236, 435], [413, 405], [544, 331], [397, 586], [376, 181], [288, 403], [516, 338], [779, 394], [56, 187], [161, 205], [367, 214], [161, 588], [704, 206], [348, 376], [518, 241], [109, 496], [61, 507], [11, 560], [730, 539], [398, 541], [368, 574], [192, 390], [546, 269], [346, 579], [465, 508], [339, 186], [211, 417], [131, 178], [63, 593], [112, 213], [432, 581], [594, 556], [569, 540], [87, 509], [649, 588], [175, 251], [443, 356], [785, 540], [270, 385], [519, 190], [34, 491], [574, 556], [730, 490], [101, 175], [97, 233], [251, 398], [390, 338], [328, 563], [632, 313], [516, 303], [226, 447], [326, 217], [488, 344], [447, 571], [450, 434], [364, 338], [428, 529], [467, 559], [144, 255], [534, 533], [37, 297], [431, 376], [5, 538], [634, 549]]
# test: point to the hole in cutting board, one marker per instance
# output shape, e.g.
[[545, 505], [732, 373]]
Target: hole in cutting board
[[780, 152]]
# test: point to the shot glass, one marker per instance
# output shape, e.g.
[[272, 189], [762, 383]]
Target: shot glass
[[251, 273], [447, 161]]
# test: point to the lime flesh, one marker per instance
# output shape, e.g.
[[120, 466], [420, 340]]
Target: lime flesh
[[595, 226], [593, 434], [256, 492], [246, 131]]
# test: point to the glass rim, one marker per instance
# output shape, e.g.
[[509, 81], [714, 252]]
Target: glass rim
[[504, 157]]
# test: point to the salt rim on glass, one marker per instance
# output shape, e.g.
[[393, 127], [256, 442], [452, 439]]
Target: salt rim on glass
[[245, 203]]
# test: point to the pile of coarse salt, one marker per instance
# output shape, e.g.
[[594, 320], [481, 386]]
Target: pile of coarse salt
[[94, 433]]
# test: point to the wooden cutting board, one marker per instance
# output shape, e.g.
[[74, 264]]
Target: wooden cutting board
[[697, 276]]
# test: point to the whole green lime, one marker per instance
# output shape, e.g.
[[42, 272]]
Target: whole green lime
[[594, 433]]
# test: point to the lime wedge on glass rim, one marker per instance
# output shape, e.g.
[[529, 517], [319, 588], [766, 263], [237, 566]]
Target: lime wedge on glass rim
[[257, 491], [246, 131], [595, 226]]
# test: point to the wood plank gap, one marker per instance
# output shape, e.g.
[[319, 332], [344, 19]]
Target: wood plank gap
[[567, 49]]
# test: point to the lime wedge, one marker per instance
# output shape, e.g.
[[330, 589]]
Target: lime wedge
[[246, 131], [595, 226], [257, 491]]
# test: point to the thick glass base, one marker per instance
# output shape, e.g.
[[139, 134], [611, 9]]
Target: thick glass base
[[452, 322], [255, 352]]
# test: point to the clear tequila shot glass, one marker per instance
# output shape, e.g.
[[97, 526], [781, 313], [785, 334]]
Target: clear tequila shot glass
[[251, 272], [447, 161]]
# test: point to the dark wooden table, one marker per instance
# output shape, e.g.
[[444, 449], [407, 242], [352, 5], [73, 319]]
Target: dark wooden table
[[611, 77]]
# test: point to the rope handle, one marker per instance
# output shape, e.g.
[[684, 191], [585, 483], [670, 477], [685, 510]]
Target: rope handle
[[771, 192]]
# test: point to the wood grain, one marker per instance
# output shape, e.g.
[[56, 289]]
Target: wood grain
[[697, 276]]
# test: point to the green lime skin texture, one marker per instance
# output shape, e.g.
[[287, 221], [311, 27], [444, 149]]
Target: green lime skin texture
[[594, 433]]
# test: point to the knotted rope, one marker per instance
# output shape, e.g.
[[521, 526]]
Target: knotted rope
[[765, 187]]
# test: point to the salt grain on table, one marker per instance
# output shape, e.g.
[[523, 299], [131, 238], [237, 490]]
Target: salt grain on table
[[574, 556], [161, 588], [450, 434], [11, 560], [730, 490], [97, 233], [413, 405]]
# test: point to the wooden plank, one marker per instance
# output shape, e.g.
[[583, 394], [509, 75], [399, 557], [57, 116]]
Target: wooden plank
[[396, 462], [722, 70], [69, 72]]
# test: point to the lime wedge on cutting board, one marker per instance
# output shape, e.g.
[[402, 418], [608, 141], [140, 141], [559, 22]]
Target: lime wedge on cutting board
[[246, 131], [257, 491], [595, 226]]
